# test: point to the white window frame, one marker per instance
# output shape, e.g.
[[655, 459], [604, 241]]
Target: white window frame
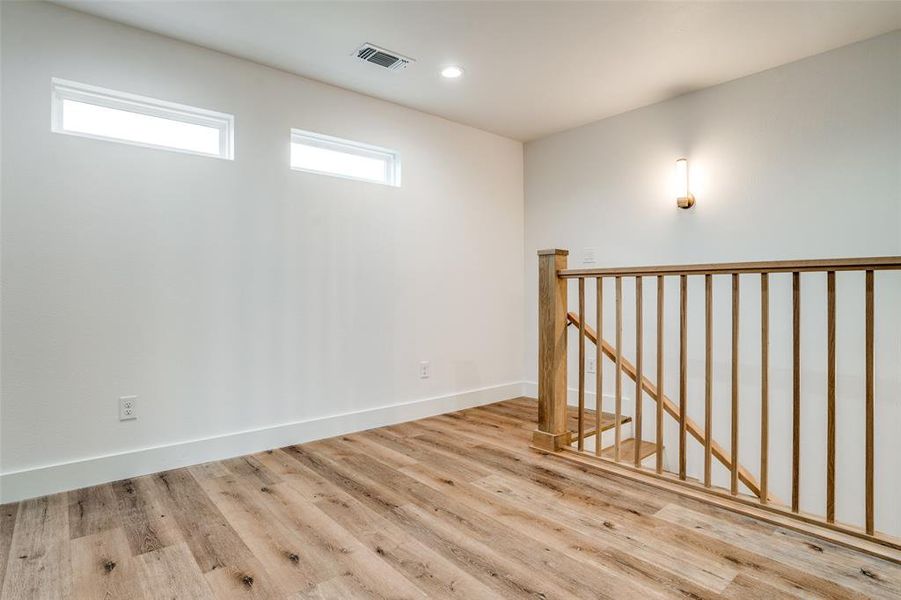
[[328, 142], [62, 89]]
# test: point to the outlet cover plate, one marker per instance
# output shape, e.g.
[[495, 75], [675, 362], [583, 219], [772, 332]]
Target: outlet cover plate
[[128, 408], [589, 256]]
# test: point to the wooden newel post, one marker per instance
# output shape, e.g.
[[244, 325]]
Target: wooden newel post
[[552, 433]]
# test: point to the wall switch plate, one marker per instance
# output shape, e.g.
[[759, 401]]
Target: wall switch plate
[[591, 365], [425, 369], [128, 408]]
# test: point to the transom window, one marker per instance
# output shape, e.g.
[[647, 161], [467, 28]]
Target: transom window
[[94, 112], [326, 155]]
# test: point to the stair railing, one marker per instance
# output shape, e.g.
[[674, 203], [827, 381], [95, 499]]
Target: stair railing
[[556, 435]]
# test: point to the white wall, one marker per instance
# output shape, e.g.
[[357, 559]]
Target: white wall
[[251, 306], [802, 161], [236, 298]]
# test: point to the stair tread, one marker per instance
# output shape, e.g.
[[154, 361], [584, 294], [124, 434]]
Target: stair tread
[[627, 450], [608, 421]]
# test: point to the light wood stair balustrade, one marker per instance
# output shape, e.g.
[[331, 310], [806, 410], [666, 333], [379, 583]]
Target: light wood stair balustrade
[[672, 410], [581, 433]]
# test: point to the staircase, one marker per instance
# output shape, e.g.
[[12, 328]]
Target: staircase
[[671, 409], [608, 422]]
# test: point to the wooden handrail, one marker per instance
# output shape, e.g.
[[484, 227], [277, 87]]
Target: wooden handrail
[[692, 427], [878, 263]]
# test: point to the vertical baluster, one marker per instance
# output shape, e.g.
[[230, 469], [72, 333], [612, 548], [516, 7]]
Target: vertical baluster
[[581, 443], [708, 375], [617, 430], [796, 389], [736, 296], [660, 394], [830, 397], [638, 369], [870, 458], [683, 368], [599, 367], [764, 384]]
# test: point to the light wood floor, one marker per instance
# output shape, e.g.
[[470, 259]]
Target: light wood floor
[[450, 506]]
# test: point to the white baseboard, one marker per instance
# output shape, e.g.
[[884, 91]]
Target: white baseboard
[[40, 481]]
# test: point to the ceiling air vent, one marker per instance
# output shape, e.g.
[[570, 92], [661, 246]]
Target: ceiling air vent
[[383, 58]]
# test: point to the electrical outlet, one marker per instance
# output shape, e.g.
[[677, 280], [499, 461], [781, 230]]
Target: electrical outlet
[[128, 408], [425, 369], [591, 365]]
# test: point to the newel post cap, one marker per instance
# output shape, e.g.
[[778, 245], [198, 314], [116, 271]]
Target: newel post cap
[[553, 251]]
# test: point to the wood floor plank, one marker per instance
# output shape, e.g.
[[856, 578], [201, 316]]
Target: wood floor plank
[[346, 586], [289, 470], [276, 549], [426, 450], [624, 502], [331, 550], [486, 563], [864, 577], [208, 470], [39, 566], [103, 567], [453, 506], [746, 586], [664, 538], [7, 524], [92, 510], [535, 468], [143, 516], [618, 574], [623, 533], [237, 582], [431, 572], [479, 426], [227, 564], [386, 499], [448, 514], [365, 444], [513, 416], [435, 574], [338, 588], [250, 468], [172, 573]]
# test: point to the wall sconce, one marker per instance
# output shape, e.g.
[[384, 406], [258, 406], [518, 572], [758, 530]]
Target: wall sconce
[[684, 199]]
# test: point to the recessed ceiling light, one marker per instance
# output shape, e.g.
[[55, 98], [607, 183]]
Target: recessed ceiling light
[[452, 72]]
